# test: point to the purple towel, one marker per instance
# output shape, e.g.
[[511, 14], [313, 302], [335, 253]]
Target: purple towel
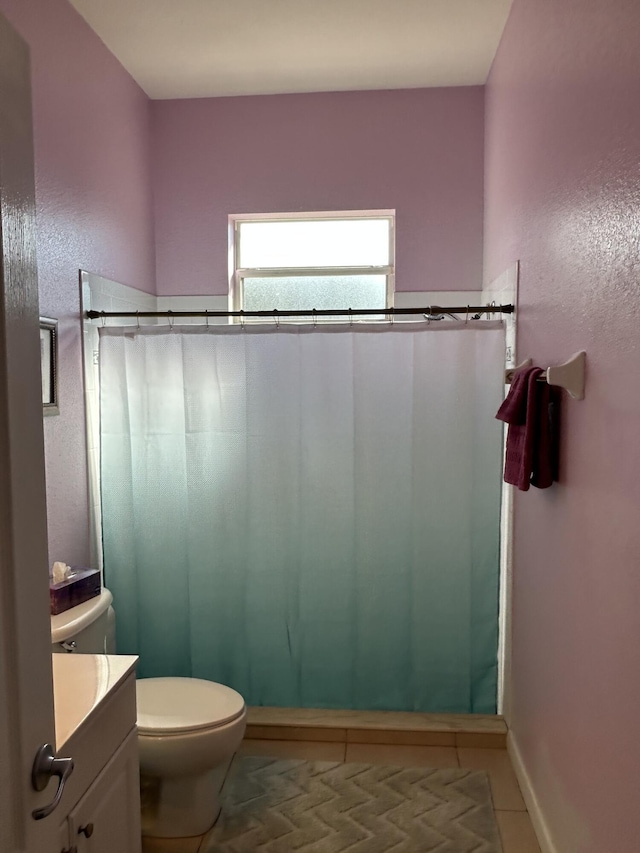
[[530, 441]]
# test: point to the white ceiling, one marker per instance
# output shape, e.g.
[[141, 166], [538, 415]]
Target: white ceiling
[[207, 48]]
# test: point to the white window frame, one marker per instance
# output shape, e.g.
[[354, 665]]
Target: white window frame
[[237, 274]]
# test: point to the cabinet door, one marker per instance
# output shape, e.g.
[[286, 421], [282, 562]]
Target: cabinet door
[[107, 818], [63, 837]]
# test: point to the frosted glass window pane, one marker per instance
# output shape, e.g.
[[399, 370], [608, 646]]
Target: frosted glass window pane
[[304, 293], [309, 243]]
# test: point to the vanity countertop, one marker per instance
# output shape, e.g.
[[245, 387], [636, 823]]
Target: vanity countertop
[[80, 684]]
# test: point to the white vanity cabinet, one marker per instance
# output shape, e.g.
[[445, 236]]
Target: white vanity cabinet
[[100, 808], [107, 817]]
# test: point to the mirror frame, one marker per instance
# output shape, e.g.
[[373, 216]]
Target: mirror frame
[[49, 365]]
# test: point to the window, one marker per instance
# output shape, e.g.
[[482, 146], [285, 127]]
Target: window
[[313, 260]]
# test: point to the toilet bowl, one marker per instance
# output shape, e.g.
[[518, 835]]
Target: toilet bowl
[[188, 729], [188, 732]]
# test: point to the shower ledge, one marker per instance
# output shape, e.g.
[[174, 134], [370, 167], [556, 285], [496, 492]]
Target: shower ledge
[[393, 727]]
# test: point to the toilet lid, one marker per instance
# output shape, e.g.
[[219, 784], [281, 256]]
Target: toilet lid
[[170, 705]]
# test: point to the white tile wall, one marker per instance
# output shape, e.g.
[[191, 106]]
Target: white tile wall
[[421, 298], [504, 290], [442, 298], [195, 303], [101, 294]]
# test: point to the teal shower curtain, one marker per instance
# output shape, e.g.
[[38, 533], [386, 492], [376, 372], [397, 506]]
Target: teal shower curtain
[[310, 515]]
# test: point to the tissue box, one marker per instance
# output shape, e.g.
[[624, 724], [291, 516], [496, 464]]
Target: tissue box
[[81, 585]]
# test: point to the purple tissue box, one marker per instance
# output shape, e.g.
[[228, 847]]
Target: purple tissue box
[[81, 585]]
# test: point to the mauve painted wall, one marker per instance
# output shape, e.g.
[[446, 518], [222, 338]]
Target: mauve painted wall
[[419, 151], [93, 197], [563, 196]]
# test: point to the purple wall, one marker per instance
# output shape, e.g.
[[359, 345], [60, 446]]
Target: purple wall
[[419, 151], [93, 196], [563, 196]]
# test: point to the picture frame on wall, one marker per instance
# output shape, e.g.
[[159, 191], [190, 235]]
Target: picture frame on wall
[[49, 365]]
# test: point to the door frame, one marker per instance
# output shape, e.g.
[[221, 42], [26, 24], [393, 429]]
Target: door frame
[[26, 686]]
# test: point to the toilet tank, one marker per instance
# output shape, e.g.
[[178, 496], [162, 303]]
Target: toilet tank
[[88, 628]]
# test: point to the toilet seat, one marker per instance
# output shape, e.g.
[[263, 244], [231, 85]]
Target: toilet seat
[[171, 706]]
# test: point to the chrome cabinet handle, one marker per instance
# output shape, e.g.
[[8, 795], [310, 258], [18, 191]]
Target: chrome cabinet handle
[[45, 766]]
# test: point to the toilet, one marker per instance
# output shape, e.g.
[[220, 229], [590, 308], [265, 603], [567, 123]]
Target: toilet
[[188, 729], [188, 732]]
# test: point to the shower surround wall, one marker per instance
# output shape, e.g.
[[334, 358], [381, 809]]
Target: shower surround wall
[[93, 203], [563, 195], [419, 151]]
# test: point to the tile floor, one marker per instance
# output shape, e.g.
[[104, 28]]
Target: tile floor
[[511, 815]]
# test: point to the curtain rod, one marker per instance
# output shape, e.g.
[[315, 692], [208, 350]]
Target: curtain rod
[[429, 310]]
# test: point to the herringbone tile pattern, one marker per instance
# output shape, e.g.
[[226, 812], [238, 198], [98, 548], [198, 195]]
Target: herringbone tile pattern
[[280, 806]]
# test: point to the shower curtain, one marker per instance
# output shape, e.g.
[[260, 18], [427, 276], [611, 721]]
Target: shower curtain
[[309, 515]]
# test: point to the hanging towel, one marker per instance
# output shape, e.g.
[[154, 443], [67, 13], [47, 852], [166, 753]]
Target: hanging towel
[[528, 408], [545, 457]]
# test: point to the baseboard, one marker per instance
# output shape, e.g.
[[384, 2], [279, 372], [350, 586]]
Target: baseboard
[[538, 821]]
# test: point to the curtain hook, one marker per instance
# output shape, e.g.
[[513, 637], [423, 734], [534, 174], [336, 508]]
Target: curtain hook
[[138, 319], [466, 319], [206, 314], [170, 316], [104, 320], [350, 317], [276, 319], [315, 318], [242, 318]]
